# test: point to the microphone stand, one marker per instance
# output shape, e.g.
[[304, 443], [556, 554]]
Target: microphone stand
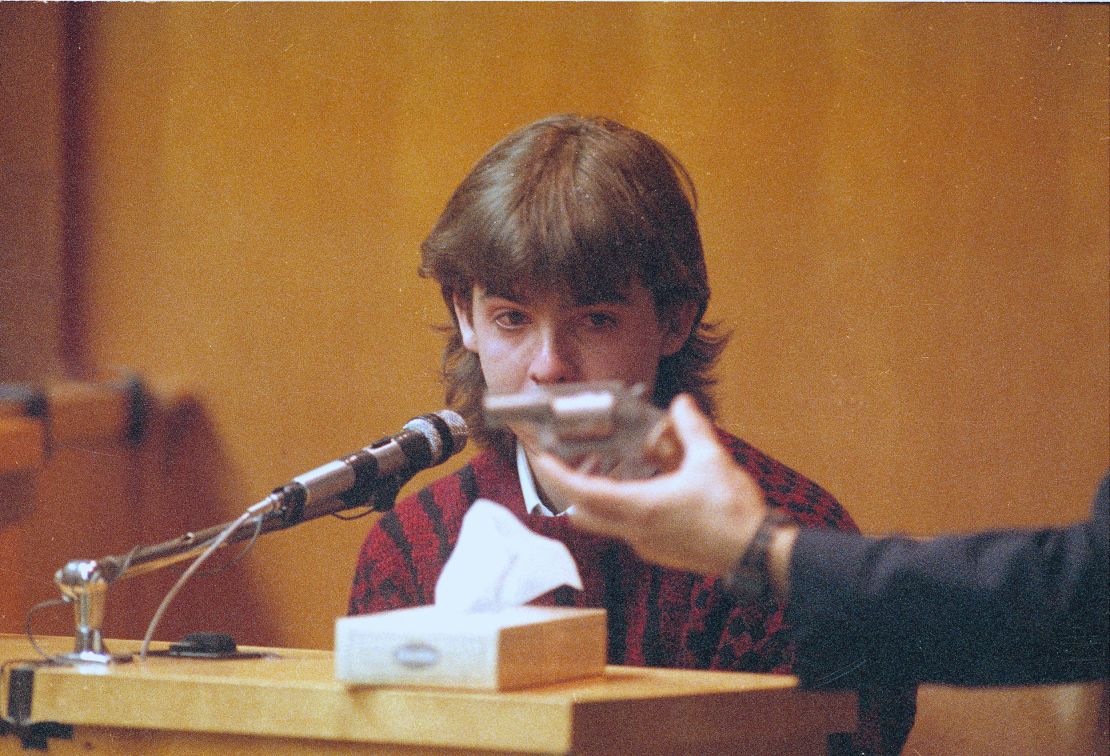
[[84, 582]]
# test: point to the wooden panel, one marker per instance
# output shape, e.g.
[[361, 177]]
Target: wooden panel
[[21, 444], [82, 412], [31, 233], [110, 741], [294, 695], [1045, 719], [75, 413]]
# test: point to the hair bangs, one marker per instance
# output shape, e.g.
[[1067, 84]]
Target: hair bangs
[[557, 233]]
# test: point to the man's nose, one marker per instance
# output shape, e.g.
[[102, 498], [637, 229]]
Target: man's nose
[[554, 360]]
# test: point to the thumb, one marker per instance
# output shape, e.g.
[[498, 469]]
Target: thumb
[[693, 428]]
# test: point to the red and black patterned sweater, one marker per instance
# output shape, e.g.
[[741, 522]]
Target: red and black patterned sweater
[[657, 617]]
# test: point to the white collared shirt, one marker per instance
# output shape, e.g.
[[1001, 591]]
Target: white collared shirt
[[532, 502]]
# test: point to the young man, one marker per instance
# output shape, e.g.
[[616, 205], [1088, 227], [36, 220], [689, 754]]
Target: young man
[[571, 253]]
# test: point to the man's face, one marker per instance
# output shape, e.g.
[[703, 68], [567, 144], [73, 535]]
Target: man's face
[[542, 338]]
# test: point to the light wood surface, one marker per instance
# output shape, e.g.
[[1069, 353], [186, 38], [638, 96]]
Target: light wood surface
[[291, 702]]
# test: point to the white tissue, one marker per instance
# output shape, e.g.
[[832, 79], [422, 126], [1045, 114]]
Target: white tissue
[[499, 563]]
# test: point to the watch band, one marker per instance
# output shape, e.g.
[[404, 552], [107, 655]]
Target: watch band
[[747, 580]]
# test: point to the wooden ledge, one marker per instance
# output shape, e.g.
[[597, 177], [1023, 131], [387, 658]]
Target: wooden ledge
[[22, 444], [34, 420]]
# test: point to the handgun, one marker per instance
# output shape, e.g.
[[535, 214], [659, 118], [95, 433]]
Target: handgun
[[602, 427]]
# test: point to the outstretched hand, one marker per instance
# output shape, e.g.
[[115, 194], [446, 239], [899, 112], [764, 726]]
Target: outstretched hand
[[700, 517]]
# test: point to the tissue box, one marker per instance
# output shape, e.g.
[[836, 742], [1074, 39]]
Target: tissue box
[[512, 648]]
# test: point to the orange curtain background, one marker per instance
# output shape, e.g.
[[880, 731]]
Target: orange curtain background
[[904, 209]]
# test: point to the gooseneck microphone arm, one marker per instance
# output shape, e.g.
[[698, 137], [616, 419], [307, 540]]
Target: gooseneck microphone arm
[[371, 476]]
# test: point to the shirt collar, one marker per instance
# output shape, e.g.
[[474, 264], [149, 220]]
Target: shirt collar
[[532, 502]]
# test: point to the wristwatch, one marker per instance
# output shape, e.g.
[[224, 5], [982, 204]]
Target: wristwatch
[[747, 580]]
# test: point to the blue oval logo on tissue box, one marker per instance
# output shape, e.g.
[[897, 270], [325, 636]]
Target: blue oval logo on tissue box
[[416, 655]]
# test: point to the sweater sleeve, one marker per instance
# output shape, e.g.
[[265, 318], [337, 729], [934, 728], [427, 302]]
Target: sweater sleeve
[[1000, 608]]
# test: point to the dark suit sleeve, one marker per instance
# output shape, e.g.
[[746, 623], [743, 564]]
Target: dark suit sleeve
[[999, 608]]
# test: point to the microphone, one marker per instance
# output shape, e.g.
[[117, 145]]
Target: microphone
[[375, 472]]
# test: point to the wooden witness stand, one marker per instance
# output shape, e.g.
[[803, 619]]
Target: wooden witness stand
[[290, 702]]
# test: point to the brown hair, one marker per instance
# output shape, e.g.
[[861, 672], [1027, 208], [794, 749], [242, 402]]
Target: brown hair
[[585, 206]]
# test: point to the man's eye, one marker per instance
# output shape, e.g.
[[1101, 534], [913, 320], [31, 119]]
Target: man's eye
[[510, 319], [601, 320]]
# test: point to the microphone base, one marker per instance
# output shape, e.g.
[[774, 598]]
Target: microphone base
[[93, 657]]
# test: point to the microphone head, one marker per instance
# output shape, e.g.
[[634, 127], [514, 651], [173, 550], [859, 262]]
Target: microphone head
[[445, 431]]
